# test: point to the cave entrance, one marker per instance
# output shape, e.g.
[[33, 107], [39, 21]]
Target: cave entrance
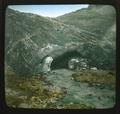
[[65, 60], [61, 61]]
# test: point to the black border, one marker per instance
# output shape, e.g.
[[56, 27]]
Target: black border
[[3, 106]]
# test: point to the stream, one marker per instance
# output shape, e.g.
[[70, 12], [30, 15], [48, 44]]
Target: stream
[[79, 92]]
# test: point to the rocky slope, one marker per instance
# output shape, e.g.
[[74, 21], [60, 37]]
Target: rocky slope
[[29, 37]]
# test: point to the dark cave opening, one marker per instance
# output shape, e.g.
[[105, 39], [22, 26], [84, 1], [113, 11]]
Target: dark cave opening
[[61, 61]]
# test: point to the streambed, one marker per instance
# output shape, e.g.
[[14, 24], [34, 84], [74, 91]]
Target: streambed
[[81, 92]]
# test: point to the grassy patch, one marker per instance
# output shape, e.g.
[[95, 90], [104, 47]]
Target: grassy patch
[[78, 106], [30, 92], [70, 106], [106, 78], [35, 92]]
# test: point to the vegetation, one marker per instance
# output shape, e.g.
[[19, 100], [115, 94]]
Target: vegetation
[[25, 91], [99, 77], [35, 92], [32, 37], [78, 106], [29, 91]]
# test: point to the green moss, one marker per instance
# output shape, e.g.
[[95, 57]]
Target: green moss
[[77, 106], [32, 92], [106, 78], [13, 101], [35, 92]]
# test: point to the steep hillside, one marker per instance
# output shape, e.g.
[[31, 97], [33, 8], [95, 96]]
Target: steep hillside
[[95, 19], [29, 37]]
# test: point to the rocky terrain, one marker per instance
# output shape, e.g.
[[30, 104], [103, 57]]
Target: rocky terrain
[[88, 34], [30, 37]]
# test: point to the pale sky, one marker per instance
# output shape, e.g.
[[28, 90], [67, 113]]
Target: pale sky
[[48, 10]]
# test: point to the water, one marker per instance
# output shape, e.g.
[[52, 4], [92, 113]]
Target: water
[[79, 92]]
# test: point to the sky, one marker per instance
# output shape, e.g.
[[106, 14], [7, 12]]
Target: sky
[[47, 10]]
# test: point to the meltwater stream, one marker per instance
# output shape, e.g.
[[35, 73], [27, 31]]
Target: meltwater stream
[[79, 92]]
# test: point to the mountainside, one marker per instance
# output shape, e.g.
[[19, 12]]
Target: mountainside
[[95, 19], [90, 31]]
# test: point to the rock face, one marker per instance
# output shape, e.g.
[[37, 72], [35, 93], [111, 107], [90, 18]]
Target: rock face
[[29, 38]]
